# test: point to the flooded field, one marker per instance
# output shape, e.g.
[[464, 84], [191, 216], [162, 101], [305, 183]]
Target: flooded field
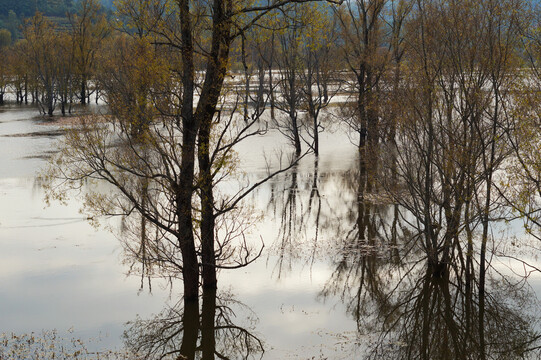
[[340, 276]]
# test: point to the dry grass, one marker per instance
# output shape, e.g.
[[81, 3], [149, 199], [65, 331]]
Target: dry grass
[[49, 345]]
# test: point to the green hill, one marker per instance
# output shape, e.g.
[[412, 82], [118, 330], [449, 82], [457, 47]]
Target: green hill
[[26, 8], [14, 13]]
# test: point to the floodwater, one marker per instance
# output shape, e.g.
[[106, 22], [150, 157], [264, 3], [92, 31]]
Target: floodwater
[[333, 282], [56, 271]]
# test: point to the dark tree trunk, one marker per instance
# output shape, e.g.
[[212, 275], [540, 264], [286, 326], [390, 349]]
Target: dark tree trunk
[[246, 79], [25, 90], [293, 111], [185, 187], [207, 209], [271, 93], [363, 131], [206, 108], [190, 322], [190, 265], [260, 102], [296, 135], [208, 315], [50, 105], [83, 90], [316, 135]]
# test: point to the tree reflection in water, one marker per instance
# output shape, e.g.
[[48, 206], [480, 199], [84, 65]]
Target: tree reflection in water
[[385, 279], [403, 306], [433, 318], [185, 332], [297, 203], [368, 253]]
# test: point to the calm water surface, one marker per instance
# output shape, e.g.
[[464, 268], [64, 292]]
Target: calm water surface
[[58, 272], [330, 272]]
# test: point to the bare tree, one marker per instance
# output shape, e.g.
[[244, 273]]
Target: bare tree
[[450, 143], [42, 46], [167, 170], [88, 29], [319, 78], [361, 25], [289, 68]]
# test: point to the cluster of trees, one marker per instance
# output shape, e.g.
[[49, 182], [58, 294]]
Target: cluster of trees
[[455, 155], [452, 136], [54, 67], [440, 96], [171, 144]]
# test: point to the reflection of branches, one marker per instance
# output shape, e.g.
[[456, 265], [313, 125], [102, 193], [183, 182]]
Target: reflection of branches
[[434, 319], [389, 286], [358, 278], [422, 316], [419, 315], [290, 224], [306, 214], [315, 197], [175, 332], [300, 207]]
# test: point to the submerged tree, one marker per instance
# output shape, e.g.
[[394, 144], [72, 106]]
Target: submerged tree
[[171, 141], [42, 53], [289, 69], [363, 49], [451, 142], [361, 25], [319, 78], [88, 29], [20, 70], [65, 84]]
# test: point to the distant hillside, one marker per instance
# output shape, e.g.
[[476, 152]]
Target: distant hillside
[[26, 8], [14, 12]]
